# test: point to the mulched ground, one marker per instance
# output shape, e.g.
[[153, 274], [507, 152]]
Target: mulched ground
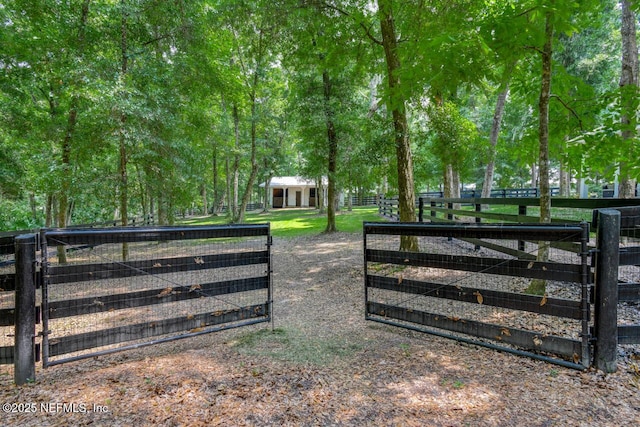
[[322, 364]]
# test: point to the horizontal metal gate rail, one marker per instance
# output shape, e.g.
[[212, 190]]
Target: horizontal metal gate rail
[[403, 289], [122, 288]]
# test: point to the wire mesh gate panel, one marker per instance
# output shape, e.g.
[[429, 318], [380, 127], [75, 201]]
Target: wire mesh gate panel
[[7, 286], [628, 274], [472, 282], [106, 290]]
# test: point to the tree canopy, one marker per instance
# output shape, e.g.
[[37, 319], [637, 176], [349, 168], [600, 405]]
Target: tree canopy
[[132, 108]]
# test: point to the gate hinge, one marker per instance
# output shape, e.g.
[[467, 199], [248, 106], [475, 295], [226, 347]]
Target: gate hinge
[[592, 338]]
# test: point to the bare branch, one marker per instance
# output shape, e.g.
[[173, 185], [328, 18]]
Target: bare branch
[[367, 30], [571, 110], [157, 39], [534, 48]]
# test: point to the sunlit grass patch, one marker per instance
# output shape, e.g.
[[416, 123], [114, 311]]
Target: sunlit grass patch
[[293, 346], [298, 222]]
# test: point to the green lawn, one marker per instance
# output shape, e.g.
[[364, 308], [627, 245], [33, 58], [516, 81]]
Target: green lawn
[[298, 222]]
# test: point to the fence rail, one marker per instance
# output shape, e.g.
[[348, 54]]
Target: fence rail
[[565, 211], [194, 287], [111, 289], [447, 288], [7, 288], [364, 200], [496, 193]]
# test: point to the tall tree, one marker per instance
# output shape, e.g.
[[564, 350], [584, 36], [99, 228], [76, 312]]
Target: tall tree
[[122, 140], [396, 104], [539, 286], [629, 104], [72, 121], [543, 119], [332, 139], [323, 55], [494, 134]]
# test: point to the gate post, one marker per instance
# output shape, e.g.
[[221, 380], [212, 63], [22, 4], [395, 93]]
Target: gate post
[[25, 310], [606, 290]]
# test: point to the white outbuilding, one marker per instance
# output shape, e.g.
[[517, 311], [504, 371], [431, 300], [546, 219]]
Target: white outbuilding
[[294, 191]]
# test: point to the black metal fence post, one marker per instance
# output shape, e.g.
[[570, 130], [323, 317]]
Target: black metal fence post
[[522, 210], [478, 208], [450, 218], [606, 290], [25, 309]]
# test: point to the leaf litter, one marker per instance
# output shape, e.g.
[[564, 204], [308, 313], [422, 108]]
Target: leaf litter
[[321, 363]]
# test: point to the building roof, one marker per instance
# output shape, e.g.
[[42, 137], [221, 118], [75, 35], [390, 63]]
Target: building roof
[[292, 181]]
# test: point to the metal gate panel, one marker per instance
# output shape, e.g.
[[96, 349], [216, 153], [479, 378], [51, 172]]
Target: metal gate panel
[[107, 290], [470, 282]]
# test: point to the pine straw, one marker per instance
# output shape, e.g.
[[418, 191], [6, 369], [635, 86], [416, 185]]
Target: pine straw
[[324, 365]]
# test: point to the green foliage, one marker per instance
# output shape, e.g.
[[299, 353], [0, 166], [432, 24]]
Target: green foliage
[[455, 139], [67, 101], [608, 136]]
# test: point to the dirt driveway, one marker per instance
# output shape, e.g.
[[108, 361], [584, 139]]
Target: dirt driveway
[[322, 364]]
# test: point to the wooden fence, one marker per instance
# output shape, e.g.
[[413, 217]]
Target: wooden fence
[[564, 210], [523, 209], [496, 193]]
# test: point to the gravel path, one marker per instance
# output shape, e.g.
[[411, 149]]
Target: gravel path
[[323, 364]]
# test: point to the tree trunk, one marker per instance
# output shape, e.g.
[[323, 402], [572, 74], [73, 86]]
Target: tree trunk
[[267, 189], [455, 183], [565, 181], [320, 193], [143, 194], [537, 286], [396, 103], [228, 184], [65, 183], [448, 181], [543, 108], [332, 139], [629, 87], [236, 163], [122, 167], [205, 202], [252, 177], [66, 176], [493, 141], [33, 207], [254, 163], [216, 193], [48, 218], [163, 215], [152, 206]]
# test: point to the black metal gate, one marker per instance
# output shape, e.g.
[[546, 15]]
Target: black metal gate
[[483, 296], [106, 290], [629, 271]]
